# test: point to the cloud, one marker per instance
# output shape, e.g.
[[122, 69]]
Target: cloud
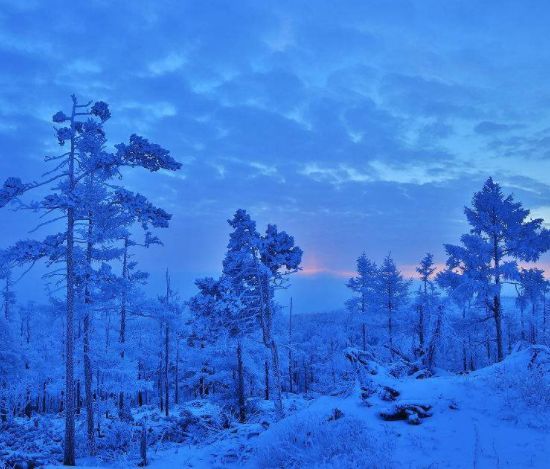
[[419, 95], [81, 66], [359, 127], [529, 145], [490, 128], [172, 62]]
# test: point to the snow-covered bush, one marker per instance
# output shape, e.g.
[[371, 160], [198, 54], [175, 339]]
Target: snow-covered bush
[[120, 438], [529, 388], [524, 377], [315, 440]]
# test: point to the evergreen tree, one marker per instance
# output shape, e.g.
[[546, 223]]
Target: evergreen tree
[[364, 286], [532, 289], [392, 294], [425, 299], [256, 265], [502, 233]]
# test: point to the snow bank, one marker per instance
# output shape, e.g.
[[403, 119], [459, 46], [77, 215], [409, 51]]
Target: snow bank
[[321, 438]]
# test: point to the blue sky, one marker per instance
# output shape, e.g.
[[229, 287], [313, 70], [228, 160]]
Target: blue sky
[[358, 125]]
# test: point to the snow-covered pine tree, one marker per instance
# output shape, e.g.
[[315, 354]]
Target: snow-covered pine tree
[[425, 302], [532, 290], [364, 286], [392, 292], [65, 177], [505, 234], [256, 266]]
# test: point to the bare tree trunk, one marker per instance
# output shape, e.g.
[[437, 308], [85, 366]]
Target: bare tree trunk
[[522, 320], [161, 370], [266, 320], [122, 336], [69, 442], [497, 306], [497, 312], [390, 328], [464, 354], [290, 364], [122, 332], [176, 380], [544, 317], [166, 348], [240, 384], [44, 398], [306, 388], [421, 327], [78, 399], [7, 295], [166, 368], [276, 370], [143, 446], [86, 347], [434, 339], [266, 380], [533, 329]]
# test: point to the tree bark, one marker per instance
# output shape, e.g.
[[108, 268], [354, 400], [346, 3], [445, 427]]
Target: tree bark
[[7, 295], [497, 313], [464, 355], [86, 348], [434, 339], [122, 332], [533, 329], [69, 441], [266, 380], [240, 385], [166, 368], [290, 363], [143, 446], [266, 320], [176, 380], [497, 307], [277, 379]]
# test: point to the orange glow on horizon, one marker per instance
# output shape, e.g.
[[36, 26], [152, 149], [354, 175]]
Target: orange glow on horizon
[[313, 267], [311, 271]]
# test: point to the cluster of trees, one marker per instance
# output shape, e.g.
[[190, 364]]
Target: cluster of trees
[[454, 305], [94, 219], [101, 347], [240, 304]]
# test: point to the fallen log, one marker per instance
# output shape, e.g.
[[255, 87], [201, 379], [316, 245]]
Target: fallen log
[[412, 412]]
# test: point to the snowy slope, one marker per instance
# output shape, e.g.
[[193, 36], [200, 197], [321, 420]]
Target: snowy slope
[[495, 417], [485, 419]]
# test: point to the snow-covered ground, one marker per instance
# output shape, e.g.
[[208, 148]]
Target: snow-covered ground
[[495, 417], [498, 417]]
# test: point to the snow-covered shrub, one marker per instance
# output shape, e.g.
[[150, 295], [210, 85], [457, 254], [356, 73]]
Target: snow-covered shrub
[[529, 386], [524, 377], [316, 440], [38, 440], [120, 438]]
